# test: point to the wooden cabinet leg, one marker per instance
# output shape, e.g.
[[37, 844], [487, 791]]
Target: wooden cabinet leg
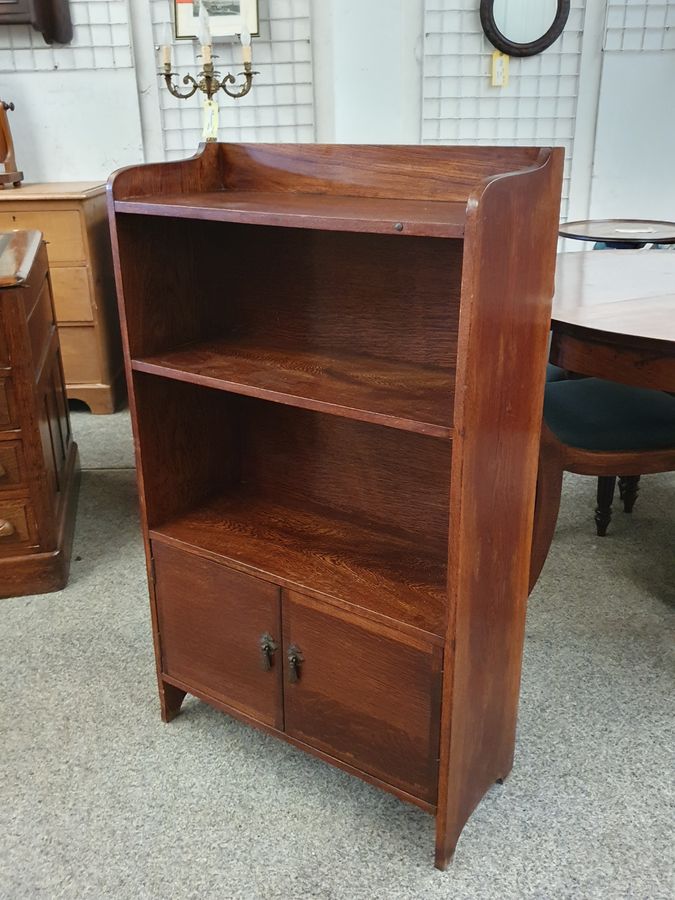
[[170, 698]]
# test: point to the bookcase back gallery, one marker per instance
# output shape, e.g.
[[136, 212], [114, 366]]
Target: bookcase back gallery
[[336, 359]]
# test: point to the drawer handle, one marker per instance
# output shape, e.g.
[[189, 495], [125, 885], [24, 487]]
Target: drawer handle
[[267, 647], [294, 657], [3, 471], [6, 528]]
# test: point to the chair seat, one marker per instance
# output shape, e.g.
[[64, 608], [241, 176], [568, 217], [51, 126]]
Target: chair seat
[[554, 373], [593, 414]]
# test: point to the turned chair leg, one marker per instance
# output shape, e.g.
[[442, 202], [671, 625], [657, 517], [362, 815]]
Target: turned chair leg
[[603, 511], [629, 485]]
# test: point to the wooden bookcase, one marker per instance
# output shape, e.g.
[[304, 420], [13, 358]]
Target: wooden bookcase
[[336, 362]]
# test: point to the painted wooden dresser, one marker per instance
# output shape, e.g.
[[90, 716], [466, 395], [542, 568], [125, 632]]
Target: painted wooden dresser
[[38, 458], [72, 218]]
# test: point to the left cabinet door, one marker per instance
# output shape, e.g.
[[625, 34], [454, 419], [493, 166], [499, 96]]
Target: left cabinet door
[[220, 632]]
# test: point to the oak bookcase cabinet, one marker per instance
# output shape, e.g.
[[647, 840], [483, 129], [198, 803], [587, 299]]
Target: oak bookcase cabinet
[[336, 361]]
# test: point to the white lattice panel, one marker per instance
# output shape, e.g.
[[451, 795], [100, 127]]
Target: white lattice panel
[[280, 106], [100, 41], [640, 25], [460, 105]]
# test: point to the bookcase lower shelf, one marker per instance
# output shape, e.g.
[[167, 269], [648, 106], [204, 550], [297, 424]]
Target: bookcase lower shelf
[[385, 576]]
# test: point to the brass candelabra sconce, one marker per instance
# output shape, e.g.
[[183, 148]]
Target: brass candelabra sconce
[[209, 80]]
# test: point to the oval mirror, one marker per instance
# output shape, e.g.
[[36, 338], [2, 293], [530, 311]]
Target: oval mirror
[[523, 27]]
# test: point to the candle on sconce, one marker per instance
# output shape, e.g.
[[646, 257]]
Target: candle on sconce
[[245, 38], [204, 34], [165, 48]]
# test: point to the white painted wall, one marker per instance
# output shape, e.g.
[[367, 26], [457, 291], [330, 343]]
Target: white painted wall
[[634, 164], [367, 70], [77, 112], [69, 126]]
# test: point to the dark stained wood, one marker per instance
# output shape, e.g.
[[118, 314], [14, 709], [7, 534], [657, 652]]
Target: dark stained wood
[[51, 17], [403, 217], [371, 474], [211, 620], [629, 488], [557, 458], [318, 283], [363, 567], [614, 357], [614, 316], [411, 397], [364, 694], [448, 174], [499, 398], [605, 498], [401, 543], [173, 476], [38, 458]]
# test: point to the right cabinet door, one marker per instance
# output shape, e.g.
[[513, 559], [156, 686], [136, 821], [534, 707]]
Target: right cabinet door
[[219, 632], [362, 693]]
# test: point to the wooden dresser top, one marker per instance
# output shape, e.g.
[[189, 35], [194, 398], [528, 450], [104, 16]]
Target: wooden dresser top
[[54, 190]]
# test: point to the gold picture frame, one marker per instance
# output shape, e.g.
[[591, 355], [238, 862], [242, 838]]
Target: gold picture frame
[[226, 17]]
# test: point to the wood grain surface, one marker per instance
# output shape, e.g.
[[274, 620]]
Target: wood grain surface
[[410, 397], [364, 695], [257, 280]]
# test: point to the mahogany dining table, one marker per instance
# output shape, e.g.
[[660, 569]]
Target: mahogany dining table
[[614, 316]]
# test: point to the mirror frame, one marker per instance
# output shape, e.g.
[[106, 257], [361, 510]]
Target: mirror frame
[[531, 48]]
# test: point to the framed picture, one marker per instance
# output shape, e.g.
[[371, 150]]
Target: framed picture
[[226, 17]]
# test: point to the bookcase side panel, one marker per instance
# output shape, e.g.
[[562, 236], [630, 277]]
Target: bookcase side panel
[[507, 290]]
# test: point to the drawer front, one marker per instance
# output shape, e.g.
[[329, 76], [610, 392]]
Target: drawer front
[[12, 466], [365, 694], [62, 229], [79, 348], [17, 526], [6, 403], [72, 296], [211, 622]]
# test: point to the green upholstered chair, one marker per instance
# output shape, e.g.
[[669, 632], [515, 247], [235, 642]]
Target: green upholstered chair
[[629, 485], [596, 427], [554, 373]]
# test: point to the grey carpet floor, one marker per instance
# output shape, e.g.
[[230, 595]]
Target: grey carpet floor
[[99, 799]]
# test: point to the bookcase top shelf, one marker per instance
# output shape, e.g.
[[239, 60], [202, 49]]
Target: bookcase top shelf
[[425, 218]]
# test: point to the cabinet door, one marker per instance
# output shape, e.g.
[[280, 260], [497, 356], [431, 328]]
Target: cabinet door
[[363, 694], [212, 622]]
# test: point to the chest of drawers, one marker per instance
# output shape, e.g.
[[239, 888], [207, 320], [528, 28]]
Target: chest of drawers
[[72, 218], [38, 458]]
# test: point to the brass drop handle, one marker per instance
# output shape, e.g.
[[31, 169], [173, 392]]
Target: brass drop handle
[[294, 657], [6, 528], [267, 647]]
